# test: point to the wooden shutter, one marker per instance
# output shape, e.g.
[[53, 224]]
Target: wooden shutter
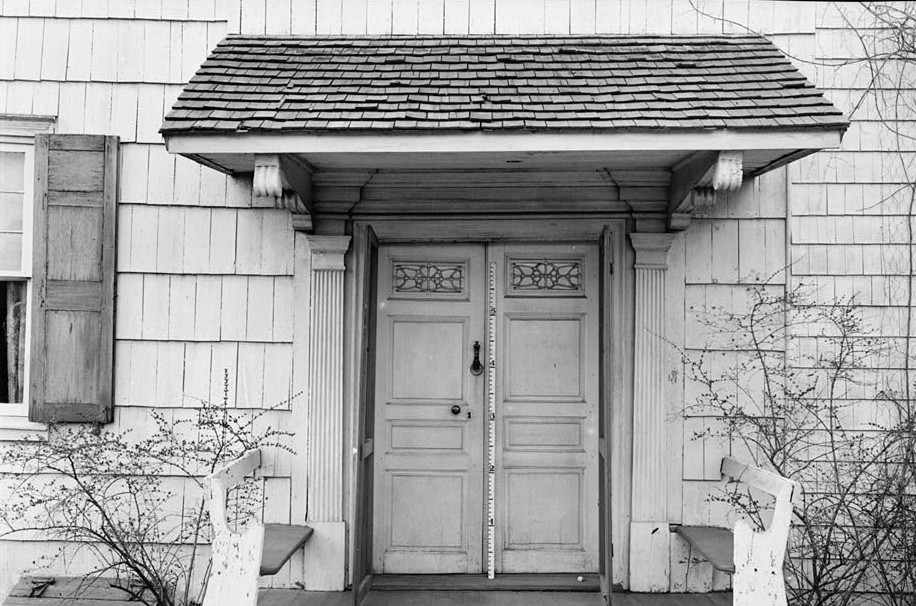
[[73, 268]]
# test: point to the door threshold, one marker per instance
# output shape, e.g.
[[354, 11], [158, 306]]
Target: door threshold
[[480, 582]]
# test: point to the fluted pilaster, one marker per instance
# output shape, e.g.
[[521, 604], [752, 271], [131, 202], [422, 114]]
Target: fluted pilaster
[[649, 403], [649, 537], [326, 433]]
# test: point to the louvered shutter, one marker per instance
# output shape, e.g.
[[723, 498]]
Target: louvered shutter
[[73, 267]]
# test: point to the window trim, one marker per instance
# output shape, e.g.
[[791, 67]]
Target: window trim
[[17, 410], [17, 133], [24, 127], [28, 211]]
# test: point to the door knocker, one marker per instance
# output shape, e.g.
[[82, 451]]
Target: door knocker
[[476, 366]]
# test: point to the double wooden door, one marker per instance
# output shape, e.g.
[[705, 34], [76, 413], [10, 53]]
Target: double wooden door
[[433, 399]]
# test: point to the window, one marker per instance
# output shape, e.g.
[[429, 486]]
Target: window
[[57, 238], [16, 216]]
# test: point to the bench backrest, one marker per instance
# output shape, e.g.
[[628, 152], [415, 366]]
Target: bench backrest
[[767, 481], [786, 491], [225, 478], [235, 556]]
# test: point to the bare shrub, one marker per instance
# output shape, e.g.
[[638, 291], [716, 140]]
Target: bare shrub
[[811, 405], [135, 505]]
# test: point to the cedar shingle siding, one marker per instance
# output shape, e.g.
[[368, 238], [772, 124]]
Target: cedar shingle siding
[[266, 83]]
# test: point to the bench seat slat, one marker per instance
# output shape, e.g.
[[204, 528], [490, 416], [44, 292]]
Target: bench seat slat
[[715, 544], [280, 543]]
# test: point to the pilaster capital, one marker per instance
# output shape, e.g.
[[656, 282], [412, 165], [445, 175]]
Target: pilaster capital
[[328, 251], [652, 249]]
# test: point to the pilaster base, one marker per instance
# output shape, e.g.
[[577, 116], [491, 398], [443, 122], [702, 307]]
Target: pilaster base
[[650, 546], [326, 557]]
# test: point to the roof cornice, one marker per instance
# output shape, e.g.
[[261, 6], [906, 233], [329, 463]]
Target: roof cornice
[[487, 142]]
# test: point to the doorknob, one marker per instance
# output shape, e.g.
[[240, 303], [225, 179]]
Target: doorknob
[[476, 366], [456, 410]]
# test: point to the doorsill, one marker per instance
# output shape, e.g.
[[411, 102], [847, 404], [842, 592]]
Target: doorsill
[[480, 582]]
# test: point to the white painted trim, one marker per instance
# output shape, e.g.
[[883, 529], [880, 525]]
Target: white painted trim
[[325, 563], [649, 536], [325, 557], [301, 403], [25, 126], [273, 179], [651, 249], [14, 416], [448, 142], [496, 228], [16, 427], [27, 148], [328, 252], [326, 380]]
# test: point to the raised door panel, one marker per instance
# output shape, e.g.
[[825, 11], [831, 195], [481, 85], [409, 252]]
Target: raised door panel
[[427, 359], [544, 354], [543, 361], [427, 511], [547, 507], [428, 480]]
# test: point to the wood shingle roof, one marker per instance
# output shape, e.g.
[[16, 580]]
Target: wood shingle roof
[[531, 83]]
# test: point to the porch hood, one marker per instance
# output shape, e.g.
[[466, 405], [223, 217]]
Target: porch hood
[[709, 109]]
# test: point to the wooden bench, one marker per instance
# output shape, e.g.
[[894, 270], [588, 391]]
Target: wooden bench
[[239, 558], [754, 558]]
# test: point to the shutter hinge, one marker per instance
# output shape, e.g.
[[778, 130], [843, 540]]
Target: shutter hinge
[[611, 265]]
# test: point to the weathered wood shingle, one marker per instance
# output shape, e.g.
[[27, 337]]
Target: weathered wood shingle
[[287, 84]]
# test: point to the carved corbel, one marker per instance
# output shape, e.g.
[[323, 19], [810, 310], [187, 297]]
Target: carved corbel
[[288, 182], [695, 181]]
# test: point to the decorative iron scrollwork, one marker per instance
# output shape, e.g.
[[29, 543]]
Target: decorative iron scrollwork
[[559, 275], [428, 278]]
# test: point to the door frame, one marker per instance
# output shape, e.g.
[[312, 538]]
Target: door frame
[[363, 305], [614, 317]]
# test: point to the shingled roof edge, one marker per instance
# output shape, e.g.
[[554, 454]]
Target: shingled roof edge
[[413, 92], [841, 126]]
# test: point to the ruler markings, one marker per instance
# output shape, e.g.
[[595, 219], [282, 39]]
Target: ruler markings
[[491, 424]]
